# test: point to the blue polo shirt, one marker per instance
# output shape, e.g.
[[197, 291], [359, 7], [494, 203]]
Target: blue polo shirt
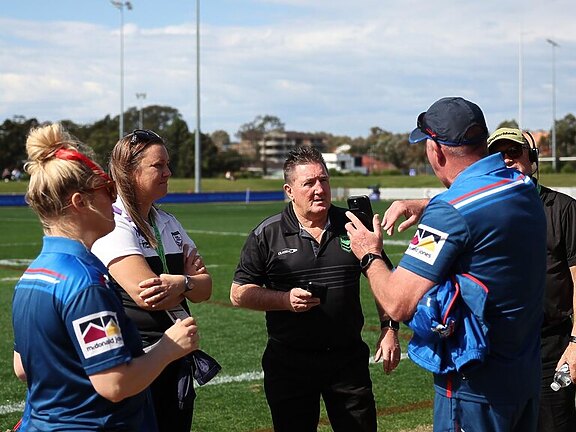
[[70, 324], [490, 224]]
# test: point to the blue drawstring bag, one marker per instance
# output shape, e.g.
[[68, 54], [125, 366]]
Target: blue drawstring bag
[[202, 368]]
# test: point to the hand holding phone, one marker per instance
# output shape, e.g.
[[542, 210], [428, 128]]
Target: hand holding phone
[[362, 208], [317, 290]]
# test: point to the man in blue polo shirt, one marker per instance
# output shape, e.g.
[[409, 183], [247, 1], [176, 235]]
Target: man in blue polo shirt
[[489, 225]]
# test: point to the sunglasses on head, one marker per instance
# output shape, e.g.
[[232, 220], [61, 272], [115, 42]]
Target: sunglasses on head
[[425, 129], [514, 151], [145, 136], [110, 187], [420, 124]]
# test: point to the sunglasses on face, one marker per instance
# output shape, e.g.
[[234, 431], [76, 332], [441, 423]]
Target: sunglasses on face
[[110, 187], [513, 152]]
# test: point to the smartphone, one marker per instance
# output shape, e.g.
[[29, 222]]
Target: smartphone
[[360, 205], [317, 290]]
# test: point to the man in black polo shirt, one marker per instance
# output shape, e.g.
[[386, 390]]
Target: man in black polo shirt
[[314, 338], [557, 412]]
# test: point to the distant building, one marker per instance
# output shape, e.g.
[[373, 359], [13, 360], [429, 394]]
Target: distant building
[[542, 138], [344, 163], [376, 165], [274, 147]]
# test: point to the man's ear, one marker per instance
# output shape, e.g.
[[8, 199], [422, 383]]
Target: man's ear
[[438, 152], [288, 191]]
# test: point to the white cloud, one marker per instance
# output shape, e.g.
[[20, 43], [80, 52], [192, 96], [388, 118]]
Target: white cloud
[[337, 66]]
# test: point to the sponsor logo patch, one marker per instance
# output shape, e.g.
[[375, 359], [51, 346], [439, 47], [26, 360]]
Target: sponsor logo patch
[[426, 244], [143, 242], [177, 238], [98, 333], [287, 251], [345, 243]]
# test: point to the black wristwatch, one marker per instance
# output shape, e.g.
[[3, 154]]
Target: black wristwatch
[[188, 283], [367, 260], [391, 324]]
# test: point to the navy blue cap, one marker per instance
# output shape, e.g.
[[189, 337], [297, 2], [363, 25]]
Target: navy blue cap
[[448, 120]]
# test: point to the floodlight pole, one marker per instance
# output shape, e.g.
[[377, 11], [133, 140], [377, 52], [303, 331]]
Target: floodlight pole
[[140, 96], [554, 159], [197, 156], [120, 5], [520, 80]]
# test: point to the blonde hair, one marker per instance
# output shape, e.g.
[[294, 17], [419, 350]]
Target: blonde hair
[[52, 179], [125, 160]]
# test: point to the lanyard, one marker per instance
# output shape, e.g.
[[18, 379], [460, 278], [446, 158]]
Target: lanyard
[[159, 246], [177, 312]]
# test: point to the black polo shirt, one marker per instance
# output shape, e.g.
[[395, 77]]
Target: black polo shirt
[[560, 212], [276, 256]]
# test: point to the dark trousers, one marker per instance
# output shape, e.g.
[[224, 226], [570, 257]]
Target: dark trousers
[[557, 409], [165, 397], [294, 381]]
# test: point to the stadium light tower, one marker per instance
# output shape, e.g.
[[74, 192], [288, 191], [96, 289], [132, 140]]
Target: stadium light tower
[[140, 97], [520, 80], [197, 172], [121, 5], [554, 45]]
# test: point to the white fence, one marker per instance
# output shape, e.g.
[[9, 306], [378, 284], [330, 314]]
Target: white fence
[[412, 193]]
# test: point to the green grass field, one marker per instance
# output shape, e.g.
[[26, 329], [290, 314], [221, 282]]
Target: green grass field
[[396, 181], [236, 337]]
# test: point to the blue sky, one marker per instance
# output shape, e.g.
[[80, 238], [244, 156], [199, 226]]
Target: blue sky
[[319, 65]]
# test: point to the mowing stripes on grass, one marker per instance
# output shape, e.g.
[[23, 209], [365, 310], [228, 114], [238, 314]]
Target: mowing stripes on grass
[[32, 219], [225, 233], [236, 337], [255, 376], [218, 380], [222, 233], [19, 244]]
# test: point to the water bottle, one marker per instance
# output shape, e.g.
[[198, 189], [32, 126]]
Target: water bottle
[[561, 378]]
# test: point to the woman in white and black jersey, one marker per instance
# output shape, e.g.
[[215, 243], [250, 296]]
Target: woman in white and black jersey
[[153, 260]]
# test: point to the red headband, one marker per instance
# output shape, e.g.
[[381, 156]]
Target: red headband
[[75, 155]]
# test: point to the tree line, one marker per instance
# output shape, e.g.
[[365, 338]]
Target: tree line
[[218, 152], [102, 135]]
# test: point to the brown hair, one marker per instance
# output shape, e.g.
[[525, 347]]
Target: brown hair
[[125, 159], [301, 155]]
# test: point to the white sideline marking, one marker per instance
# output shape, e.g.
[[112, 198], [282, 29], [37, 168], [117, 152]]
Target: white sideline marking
[[255, 376], [396, 242], [243, 377], [15, 407], [217, 380], [19, 262]]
